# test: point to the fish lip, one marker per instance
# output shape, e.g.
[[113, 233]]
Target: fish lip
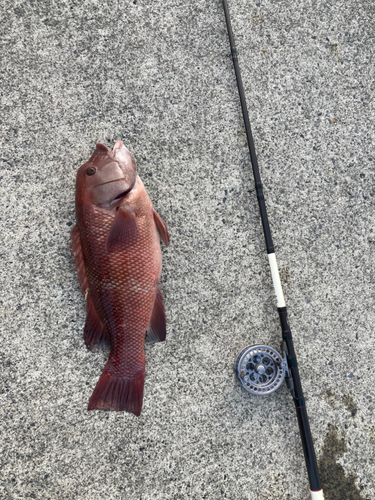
[[118, 145], [109, 182]]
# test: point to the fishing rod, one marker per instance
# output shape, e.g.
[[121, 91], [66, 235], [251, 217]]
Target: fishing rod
[[261, 369]]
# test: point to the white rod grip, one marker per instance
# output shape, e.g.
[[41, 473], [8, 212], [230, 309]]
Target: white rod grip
[[277, 284], [317, 495]]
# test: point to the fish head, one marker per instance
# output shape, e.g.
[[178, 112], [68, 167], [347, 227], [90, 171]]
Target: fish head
[[107, 177]]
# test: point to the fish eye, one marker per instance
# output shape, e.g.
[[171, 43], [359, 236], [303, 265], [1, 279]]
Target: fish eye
[[91, 171]]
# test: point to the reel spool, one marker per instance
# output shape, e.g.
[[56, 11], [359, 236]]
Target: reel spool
[[260, 369]]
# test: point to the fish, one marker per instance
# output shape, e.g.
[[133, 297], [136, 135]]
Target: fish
[[117, 253]]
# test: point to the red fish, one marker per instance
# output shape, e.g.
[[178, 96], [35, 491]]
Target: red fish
[[116, 247]]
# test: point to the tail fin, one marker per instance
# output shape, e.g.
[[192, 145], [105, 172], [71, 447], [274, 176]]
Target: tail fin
[[118, 393]]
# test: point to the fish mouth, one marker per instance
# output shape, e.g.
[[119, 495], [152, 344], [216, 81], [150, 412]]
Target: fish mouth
[[111, 195], [123, 194]]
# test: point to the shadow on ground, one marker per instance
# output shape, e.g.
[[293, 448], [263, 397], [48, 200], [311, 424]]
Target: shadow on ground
[[336, 485]]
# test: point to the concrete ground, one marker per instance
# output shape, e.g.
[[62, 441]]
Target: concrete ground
[[158, 75]]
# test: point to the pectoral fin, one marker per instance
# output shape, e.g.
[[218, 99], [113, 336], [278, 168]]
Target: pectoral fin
[[124, 230], [156, 331], [162, 227]]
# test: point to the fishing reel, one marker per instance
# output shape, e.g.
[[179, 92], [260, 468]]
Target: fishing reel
[[261, 369]]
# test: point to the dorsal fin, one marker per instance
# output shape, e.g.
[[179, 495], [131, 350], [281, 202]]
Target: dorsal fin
[[94, 331], [75, 243]]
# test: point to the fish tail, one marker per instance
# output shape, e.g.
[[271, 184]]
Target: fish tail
[[118, 393]]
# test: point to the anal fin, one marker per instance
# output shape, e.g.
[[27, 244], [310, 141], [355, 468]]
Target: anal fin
[[156, 331]]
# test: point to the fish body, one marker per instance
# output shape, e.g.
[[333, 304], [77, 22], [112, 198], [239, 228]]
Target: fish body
[[116, 243]]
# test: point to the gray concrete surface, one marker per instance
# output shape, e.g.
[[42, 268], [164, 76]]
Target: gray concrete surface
[[158, 76]]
